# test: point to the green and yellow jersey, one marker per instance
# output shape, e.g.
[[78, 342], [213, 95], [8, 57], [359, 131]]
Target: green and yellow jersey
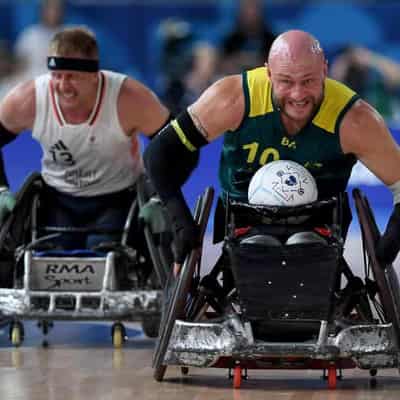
[[261, 138]]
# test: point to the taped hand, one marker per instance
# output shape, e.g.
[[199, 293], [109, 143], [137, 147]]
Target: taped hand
[[7, 203]]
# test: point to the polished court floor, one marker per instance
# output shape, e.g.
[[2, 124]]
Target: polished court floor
[[80, 363]]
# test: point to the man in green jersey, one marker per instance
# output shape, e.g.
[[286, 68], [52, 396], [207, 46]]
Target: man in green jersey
[[288, 109]]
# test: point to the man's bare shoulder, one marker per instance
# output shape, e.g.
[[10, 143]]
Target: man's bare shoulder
[[17, 109], [361, 124], [364, 133], [225, 89], [362, 113], [221, 107], [133, 90], [139, 109]]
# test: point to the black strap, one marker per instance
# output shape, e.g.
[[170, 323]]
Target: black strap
[[168, 120], [168, 162], [55, 63]]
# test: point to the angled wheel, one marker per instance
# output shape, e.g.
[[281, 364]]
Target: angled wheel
[[179, 288], [387, 284]]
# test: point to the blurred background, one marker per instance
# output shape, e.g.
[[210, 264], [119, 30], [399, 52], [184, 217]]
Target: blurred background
[[179, 47]]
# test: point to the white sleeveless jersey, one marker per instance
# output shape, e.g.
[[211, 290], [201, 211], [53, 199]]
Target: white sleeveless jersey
[[88, 159]]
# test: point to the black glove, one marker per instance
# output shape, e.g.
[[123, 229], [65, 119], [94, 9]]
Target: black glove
[[186, 232], [389, 244]]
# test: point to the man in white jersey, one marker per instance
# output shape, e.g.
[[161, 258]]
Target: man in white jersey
[[86, 121]]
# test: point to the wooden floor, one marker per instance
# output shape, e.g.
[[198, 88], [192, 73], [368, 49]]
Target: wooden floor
[[81, 364]]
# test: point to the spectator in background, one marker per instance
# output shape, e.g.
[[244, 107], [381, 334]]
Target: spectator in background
[[32, 44], [200, 74], [188, 65], [374, 76], [246, 45]]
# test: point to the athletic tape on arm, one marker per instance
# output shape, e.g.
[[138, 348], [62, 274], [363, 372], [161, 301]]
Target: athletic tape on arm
[[187, 132]]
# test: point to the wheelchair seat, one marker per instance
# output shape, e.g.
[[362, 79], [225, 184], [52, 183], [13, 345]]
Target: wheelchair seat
[[274, 298], [285, 275], [114, 280]]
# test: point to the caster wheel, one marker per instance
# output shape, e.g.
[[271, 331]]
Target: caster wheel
[[151, 326], [332, 377], [16, 333], [118, 335], [373, 372], [46, 326], [184, 370], [237, 377]]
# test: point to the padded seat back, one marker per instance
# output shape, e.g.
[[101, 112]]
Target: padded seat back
[[288, 284]]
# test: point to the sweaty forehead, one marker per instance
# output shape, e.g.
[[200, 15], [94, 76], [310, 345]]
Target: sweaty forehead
[[293, 67]]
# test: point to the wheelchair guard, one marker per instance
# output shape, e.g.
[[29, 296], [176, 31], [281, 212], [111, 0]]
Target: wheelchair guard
[[110, 282], [275, 302]]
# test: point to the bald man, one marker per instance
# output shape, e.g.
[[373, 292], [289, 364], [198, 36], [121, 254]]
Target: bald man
[[289, 110]]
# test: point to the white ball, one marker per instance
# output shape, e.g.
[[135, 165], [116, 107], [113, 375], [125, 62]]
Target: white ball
[[282, 183]]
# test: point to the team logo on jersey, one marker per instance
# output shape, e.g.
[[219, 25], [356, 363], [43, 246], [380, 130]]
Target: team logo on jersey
[[52, 62], [61, 154]]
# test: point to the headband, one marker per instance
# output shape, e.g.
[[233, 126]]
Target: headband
[[73, 64]]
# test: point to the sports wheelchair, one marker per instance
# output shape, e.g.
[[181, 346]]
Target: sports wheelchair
[[275, 302], [112, 281]]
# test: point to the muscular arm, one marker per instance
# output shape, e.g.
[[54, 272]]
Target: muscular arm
[[364, 133], [220, 108], [172, 155], [17, 109], [16, 114], [139, 109]]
